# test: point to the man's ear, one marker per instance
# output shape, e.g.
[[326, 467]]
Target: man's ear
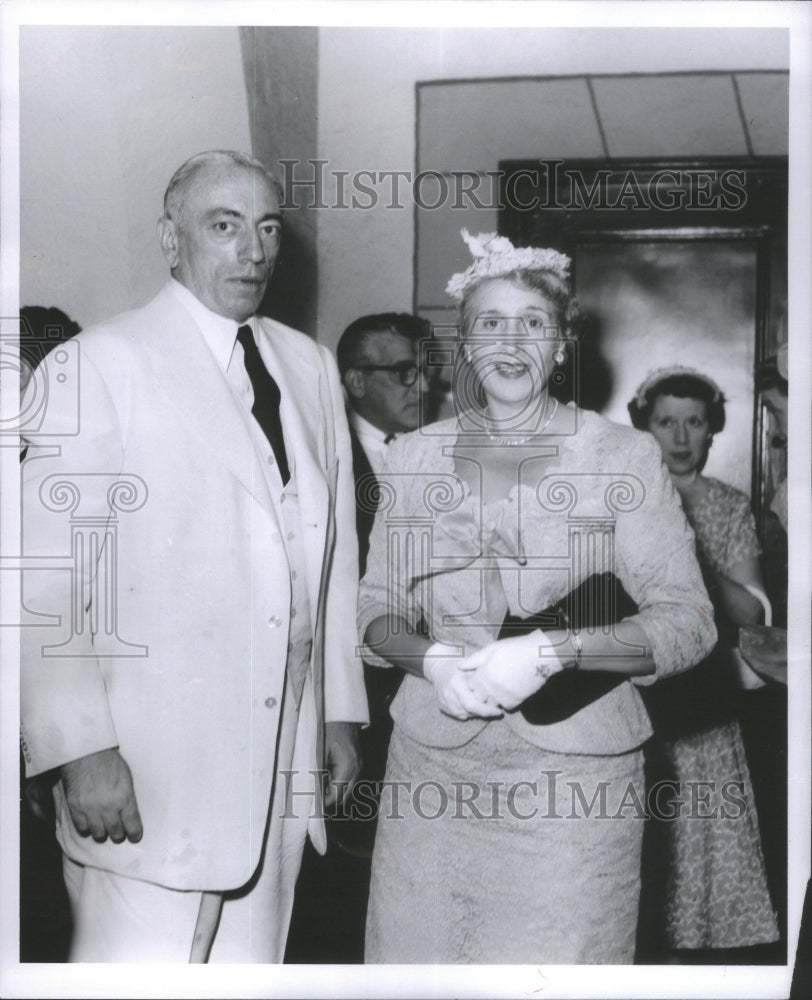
[[170, 244], [355, 383]]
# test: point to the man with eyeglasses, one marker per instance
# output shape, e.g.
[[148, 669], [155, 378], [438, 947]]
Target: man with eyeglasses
[[386, 392], [377, 360]]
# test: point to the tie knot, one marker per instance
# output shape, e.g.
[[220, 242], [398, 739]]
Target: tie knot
[[245, 335]]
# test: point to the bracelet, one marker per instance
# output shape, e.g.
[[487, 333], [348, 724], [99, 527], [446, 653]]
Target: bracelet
[[577, 648]]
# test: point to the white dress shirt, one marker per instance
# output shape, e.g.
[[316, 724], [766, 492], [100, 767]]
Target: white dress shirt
[[373, 440], [220, 334]]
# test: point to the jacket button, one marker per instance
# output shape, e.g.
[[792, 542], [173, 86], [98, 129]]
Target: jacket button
[[270, 702], [274, 622]]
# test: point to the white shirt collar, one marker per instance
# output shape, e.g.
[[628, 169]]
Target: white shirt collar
[[364, 429], [219, 332], [372, 439]]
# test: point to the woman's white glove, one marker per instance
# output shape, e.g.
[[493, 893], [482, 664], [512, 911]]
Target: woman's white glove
[[443, 665], [508, 671]]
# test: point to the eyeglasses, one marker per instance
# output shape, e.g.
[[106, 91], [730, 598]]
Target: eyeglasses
[[407, 371]]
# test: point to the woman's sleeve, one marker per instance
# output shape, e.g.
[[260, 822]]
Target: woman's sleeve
[[385, 590], [742, 540], [656, 562]]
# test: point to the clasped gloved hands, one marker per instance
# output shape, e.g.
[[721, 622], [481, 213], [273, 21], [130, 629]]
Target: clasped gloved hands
[[445, 667], [498, 677], [506, 672]]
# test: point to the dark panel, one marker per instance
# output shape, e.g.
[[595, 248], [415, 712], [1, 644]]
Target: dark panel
[[281, 76]]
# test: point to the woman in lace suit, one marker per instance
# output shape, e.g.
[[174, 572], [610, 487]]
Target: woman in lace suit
[[511, 817]]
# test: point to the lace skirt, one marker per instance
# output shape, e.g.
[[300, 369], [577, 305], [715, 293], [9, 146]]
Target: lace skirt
[[499, 852], [706, 883]]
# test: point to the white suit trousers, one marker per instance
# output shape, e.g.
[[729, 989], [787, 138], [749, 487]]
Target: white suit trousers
[[119, 919]]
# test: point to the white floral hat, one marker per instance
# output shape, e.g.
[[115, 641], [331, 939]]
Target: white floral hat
[[495, 255]]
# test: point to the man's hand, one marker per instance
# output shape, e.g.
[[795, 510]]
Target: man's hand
[[765, 650], [343, 757], [101, 798]]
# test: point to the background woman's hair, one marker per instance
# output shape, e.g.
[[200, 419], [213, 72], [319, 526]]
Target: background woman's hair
[[683, 387]]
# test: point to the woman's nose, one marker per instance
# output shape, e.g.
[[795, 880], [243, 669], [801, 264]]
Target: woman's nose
[[680, 433], [509, 331]]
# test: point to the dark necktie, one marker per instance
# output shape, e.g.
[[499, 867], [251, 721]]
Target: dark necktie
[[266, 399]]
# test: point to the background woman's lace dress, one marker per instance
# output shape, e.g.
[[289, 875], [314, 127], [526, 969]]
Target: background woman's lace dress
[[707, 885]]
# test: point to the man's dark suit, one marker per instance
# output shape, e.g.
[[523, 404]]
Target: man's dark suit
[[366, 498], [381, 685]]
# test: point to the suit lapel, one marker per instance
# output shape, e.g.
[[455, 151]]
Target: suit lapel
[[186, 371], [303, 414]]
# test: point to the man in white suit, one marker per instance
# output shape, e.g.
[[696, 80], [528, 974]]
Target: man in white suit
[[196, 666]]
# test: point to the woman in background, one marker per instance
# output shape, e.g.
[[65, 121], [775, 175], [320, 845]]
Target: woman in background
[[715, 894], [515, 754]]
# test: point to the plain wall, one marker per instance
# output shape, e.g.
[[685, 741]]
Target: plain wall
[[367, 121], [281, 79], [107, 115]]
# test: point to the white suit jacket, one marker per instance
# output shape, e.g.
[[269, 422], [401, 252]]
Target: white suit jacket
[[202, 592]]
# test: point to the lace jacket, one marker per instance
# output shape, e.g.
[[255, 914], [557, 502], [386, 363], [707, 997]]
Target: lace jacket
[[604, 503]]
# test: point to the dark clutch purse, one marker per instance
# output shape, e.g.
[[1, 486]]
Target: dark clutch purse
[[598, 602]]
